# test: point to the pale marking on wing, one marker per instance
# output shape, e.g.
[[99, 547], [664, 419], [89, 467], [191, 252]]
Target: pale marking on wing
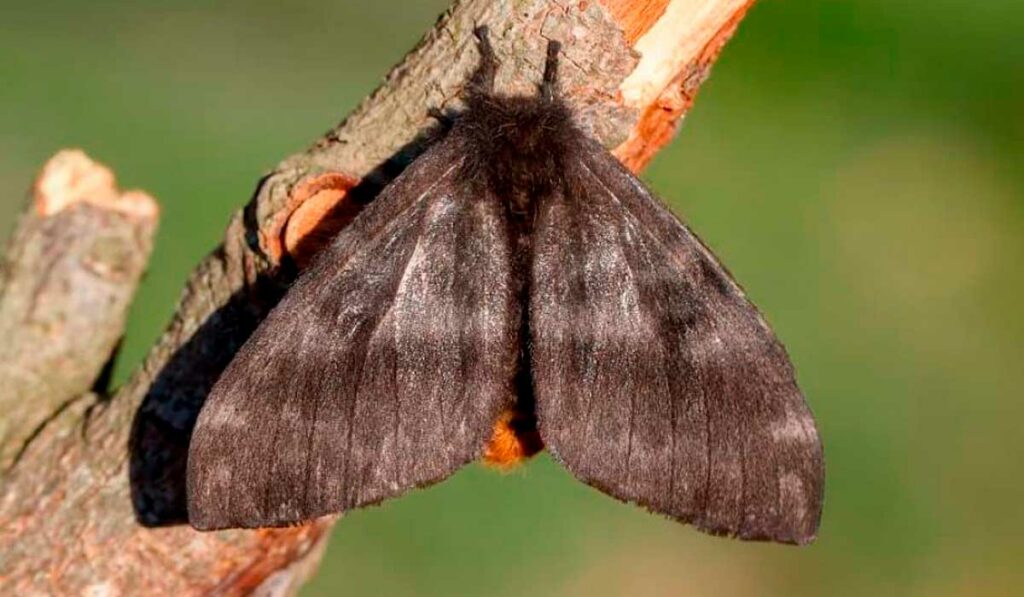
[[372, 235], [792, 487], [682, 267], [384, 317], [792, 428], [401, 292], [629, 303], [704, 251]]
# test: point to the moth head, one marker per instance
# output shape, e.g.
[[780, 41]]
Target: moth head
[[516, 144]]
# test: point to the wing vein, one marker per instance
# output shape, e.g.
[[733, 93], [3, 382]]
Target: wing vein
[[587, 354]]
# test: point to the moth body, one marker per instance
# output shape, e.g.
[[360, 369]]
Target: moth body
[[515, 288]]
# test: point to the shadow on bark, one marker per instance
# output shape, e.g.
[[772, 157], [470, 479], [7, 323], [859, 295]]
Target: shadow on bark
[[164, 422]]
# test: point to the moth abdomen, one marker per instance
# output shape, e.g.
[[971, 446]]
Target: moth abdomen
[[515, 438]]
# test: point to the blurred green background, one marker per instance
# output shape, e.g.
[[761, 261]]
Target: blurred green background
[[858, 165]]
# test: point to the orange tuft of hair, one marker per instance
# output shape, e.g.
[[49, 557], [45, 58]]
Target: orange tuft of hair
[[514, 439]]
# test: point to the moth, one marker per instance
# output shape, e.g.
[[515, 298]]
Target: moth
[[514, 288]]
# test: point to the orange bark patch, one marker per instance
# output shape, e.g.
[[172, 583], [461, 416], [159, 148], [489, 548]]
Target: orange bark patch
[[635, 17], [317, 210], [274, 549], [657, 125]]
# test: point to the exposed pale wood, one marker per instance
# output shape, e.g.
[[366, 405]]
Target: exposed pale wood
[[80, 515], [677, 52]]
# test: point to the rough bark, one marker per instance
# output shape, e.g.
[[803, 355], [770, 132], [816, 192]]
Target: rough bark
[[94, 500]]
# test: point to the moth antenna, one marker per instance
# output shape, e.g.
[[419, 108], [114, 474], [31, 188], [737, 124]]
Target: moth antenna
[[550, 82], [482, 79]]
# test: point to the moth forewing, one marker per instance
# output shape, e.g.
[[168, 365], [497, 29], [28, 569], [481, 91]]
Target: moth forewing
[[383, 369]]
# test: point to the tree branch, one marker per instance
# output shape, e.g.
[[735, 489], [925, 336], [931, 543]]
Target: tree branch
[[78, 233], [79, 513]]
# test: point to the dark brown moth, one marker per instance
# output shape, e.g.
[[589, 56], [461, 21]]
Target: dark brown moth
[[515, 274]]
